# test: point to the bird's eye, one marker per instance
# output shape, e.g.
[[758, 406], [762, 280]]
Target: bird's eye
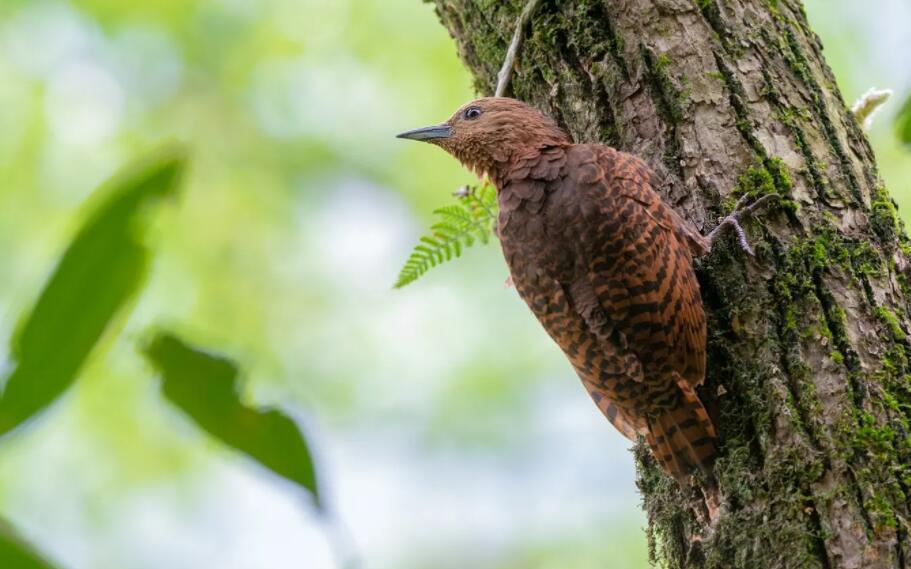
[[472, 113]]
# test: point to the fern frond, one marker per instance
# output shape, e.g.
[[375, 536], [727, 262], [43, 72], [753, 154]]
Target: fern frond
[[460, 225]]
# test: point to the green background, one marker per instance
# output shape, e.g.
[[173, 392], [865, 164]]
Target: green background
[[449, 432]]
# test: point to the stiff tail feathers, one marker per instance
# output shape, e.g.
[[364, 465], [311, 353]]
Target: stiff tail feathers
[[683, 439]]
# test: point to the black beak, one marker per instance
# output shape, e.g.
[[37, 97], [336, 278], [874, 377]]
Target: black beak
[[427, 133]]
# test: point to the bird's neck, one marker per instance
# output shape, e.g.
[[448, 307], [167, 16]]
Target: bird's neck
[[499, 174], [520, 164]]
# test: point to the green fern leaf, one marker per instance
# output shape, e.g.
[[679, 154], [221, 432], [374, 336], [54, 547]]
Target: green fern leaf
[[459, 226]]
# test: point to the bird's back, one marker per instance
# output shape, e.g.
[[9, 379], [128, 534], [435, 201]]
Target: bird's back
[[607, 268]]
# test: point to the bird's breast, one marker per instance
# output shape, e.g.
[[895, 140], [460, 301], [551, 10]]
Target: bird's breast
[[535, 242]]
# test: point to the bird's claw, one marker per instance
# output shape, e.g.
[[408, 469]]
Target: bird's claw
[[733, 221]]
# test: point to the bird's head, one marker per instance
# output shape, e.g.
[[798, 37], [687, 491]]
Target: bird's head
[[489, 132]]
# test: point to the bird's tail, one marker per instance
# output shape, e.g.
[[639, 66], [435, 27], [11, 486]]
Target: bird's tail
[[683, 439]]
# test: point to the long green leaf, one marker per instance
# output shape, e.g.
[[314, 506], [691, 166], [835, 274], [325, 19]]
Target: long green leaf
[[16, 553], [100, 272], [203, 386]]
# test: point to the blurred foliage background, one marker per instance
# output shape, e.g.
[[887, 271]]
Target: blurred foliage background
[[448, 432]]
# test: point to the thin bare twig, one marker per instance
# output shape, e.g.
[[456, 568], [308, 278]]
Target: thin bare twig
[[506, 71]]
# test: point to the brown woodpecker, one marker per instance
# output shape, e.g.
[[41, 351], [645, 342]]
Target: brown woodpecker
[[604, 264]]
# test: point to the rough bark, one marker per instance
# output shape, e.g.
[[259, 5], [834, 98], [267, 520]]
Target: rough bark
[[808, 349]]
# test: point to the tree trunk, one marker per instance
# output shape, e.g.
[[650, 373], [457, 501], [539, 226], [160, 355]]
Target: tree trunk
[[808, 342]]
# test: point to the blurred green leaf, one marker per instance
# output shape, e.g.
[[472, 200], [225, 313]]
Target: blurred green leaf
[[903, 122], [204, 386], [101, 271], [16, 553]]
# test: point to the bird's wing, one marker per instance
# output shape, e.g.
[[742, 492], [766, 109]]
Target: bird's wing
[[686, 232], [639, 265]]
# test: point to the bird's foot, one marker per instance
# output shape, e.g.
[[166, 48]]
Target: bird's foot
[[733, 220]]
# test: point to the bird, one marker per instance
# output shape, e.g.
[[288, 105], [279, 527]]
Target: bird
[[605, 265]]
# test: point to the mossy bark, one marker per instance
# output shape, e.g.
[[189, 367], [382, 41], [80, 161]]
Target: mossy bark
[[808, 371]]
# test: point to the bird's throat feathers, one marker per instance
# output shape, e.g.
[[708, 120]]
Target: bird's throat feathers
[[502, 168]]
